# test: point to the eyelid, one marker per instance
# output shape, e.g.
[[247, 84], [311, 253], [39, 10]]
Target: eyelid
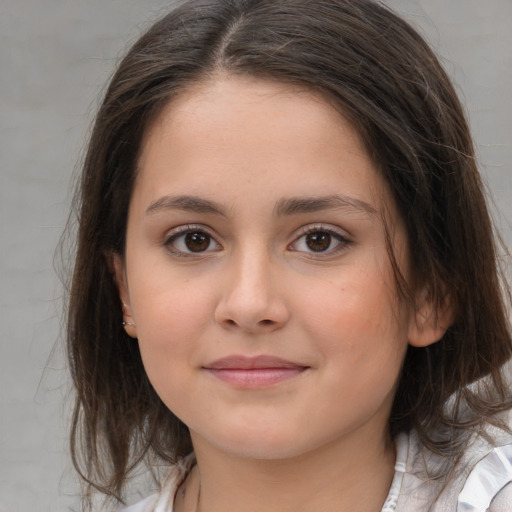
[[186, 228], [341, 235], [318, 226], [174, 233]]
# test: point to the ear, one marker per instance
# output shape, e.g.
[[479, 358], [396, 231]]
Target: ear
[[430, 320], [119, 272]]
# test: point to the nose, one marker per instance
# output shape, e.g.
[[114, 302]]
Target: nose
[[253, 299]]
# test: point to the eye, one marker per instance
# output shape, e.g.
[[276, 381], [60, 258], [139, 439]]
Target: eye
[[320, 240], [189, 240]]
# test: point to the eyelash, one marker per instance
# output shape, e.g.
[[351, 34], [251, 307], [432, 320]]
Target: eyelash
[[342, 241], [182, 231]]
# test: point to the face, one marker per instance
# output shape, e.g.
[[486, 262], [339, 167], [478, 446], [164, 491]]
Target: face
[[256, 271]]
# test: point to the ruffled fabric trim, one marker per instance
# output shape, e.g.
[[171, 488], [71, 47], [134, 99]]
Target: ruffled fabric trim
[[489, 476]]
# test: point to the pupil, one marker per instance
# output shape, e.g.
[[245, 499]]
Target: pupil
[[318, 241], [197, 242]]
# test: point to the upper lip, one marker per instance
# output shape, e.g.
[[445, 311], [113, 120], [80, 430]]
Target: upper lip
[[238, 362]]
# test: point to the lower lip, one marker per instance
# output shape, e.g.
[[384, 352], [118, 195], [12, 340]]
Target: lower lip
[[255, 377]]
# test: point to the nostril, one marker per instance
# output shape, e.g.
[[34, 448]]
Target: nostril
[[267, 322]]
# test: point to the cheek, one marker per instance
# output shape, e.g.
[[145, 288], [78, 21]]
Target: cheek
[[169, 324], [170, 320], [357, 324], [168, 304]]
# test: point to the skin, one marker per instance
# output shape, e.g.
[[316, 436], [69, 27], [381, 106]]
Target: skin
[[260, 286]]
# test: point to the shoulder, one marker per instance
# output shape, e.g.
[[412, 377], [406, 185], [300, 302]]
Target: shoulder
[[489, 484], [487, 470], [480, 480]]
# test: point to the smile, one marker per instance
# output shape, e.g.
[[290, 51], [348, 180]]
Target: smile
[[254, 372]]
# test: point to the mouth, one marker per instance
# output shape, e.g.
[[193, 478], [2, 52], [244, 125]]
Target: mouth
[[254, 372]]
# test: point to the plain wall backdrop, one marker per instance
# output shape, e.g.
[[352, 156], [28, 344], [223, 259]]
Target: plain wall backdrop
[[55, 58]]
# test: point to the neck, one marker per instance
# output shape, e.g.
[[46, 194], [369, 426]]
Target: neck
[[338, 477]]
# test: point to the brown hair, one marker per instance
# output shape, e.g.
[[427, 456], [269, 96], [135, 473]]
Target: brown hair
[[379, 72]]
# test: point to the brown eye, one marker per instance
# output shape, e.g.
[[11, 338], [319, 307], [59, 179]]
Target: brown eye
[[318, 241], [321, 241], [190, 241], [197, 242]]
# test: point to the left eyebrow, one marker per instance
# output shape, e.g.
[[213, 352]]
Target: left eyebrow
[[295, 205]]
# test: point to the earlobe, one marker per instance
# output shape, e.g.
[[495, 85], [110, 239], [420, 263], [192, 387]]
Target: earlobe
[[118, 270], [430, 321]]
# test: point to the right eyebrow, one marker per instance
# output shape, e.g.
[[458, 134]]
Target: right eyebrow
[[186, 203]]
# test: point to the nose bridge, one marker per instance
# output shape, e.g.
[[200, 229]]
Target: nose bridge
[[251, 298]]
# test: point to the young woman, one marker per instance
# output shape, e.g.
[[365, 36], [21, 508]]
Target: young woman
[[286, 285]]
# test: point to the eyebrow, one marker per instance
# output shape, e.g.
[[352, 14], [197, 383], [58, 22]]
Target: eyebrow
[[284, 207], [186, 203], [295, 205]]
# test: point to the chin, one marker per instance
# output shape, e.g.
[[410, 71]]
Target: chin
[[262, 444]]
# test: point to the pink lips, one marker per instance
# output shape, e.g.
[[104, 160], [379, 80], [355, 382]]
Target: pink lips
[[254, 372]]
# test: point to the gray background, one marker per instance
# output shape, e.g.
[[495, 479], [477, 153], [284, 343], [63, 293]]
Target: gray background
[[56, 56]]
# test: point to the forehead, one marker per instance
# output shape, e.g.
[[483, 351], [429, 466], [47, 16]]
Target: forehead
[[250, 131], [251, 110]]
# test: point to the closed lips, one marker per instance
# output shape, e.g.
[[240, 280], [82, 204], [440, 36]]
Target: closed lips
[[254, 372]]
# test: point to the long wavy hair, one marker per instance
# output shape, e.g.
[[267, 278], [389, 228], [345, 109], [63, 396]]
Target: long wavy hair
[[375, 69]]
